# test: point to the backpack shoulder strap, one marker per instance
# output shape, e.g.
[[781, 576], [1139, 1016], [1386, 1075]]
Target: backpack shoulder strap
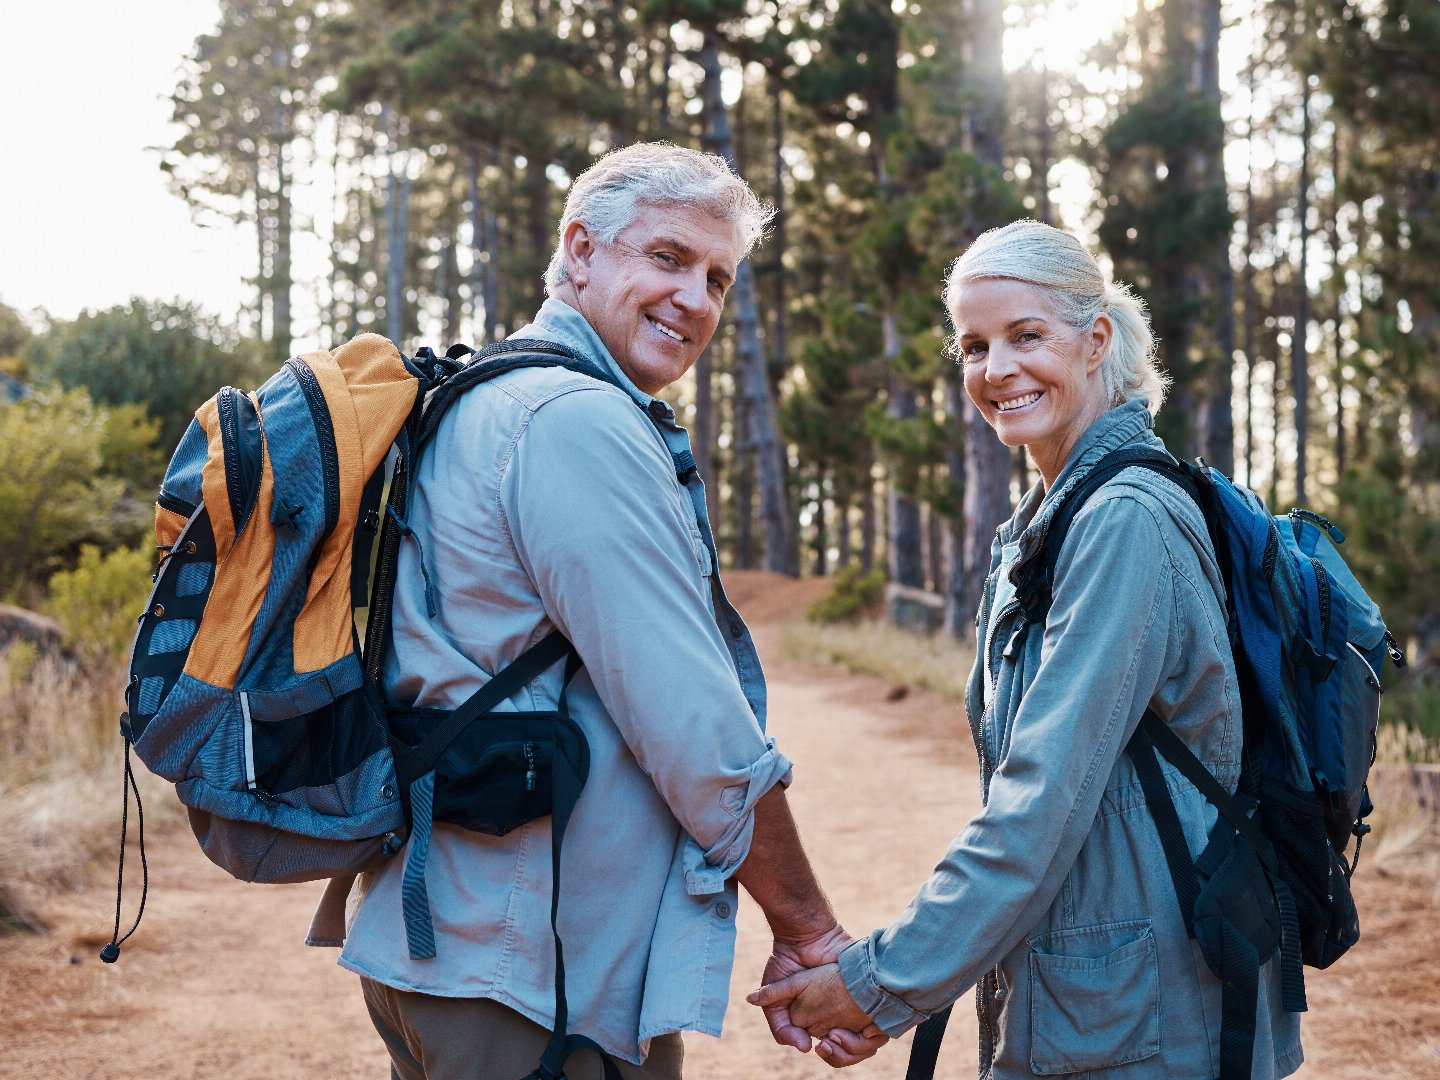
[[1036, 578], [497, 359]]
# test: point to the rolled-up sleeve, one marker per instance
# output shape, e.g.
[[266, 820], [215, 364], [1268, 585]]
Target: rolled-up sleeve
[[596, 518]]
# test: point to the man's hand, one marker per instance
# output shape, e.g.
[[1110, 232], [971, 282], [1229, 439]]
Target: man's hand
[[814, 1002], [790, 958]]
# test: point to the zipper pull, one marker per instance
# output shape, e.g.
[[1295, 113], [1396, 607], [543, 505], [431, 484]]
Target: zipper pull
[[1397, 655], [529, 766], [1297, 514]]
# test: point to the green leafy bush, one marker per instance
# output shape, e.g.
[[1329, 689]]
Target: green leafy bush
[[97, 602], [854, 594], [54, 494]]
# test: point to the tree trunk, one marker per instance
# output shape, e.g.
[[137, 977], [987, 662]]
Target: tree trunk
[[1299, 344], [394, 239], [986, 501], [280, 276], [752, 372], [905, 548], [1337, 313], [703, 440], [867, 526], [1215, 288], [958, 589]]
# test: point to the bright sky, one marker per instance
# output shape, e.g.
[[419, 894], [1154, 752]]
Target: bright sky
[[86, 218]]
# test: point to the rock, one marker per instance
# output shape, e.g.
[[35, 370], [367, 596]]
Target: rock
[[916, 610], [20, 624]]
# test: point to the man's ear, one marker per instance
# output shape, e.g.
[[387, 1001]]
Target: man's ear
[[579, 250]]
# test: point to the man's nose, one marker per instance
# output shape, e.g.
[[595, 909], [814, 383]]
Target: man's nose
[[690, 291]]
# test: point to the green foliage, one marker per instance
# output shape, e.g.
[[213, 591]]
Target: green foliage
[[130, 449], [53, 493], [96, 602], [167, 357], [14, 334], [854, 593]]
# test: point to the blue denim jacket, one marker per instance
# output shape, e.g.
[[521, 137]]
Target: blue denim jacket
[[551, 500], [1055, 901]]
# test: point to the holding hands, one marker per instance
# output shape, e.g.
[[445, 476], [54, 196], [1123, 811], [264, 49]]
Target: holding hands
[[804, 997]]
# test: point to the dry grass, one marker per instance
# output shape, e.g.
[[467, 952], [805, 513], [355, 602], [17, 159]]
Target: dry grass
[[937, 664], [60, 777]]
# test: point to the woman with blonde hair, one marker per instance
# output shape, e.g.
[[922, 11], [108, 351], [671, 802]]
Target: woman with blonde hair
[[1056, 902]]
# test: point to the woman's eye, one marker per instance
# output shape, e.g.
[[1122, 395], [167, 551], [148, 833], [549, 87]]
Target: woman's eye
[[975, 350]]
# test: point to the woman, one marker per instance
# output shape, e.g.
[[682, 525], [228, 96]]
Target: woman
[[1055, 901]]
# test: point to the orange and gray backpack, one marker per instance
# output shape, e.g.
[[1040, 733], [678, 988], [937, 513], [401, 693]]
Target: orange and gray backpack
[[248, 687]]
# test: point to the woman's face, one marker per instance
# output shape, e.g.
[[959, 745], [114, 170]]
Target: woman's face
[[1035, 379]]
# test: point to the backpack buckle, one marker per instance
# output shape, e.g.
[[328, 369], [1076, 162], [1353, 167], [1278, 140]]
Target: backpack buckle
[[1303, 653]]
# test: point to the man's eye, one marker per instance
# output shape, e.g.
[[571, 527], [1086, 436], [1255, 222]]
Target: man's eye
[[666, 259]]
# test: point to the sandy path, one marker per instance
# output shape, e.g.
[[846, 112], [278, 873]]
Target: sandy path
[[217, 984]]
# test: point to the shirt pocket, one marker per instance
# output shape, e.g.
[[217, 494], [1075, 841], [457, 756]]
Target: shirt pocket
[[1094, 998]]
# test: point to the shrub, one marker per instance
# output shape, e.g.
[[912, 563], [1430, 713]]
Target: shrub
[[855, 593], [97, 602]]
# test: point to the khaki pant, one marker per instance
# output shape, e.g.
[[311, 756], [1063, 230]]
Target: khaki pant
[[438, 1038]]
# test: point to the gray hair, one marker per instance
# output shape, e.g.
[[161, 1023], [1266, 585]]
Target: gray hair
[[608, 195], [1037, 254]]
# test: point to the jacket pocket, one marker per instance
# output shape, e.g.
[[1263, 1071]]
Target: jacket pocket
[[1094, 998]]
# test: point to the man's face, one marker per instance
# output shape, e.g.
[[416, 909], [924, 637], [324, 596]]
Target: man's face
[[655, 294]]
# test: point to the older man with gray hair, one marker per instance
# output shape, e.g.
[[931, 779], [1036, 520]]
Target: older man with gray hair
[[553, 501]]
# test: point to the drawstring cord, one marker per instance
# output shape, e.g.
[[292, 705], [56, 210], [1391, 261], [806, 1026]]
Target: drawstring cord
[[431, 608], [111, 952]]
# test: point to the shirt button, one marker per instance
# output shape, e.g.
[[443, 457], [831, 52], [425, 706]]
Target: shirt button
[[659, 409], [722, 909], [736, 628]]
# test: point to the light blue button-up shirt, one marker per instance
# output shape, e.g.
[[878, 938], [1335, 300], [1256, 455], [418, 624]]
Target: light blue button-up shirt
[[550, 500]]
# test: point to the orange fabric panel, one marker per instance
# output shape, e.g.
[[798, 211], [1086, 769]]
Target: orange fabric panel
[[241, 566], [167, 526], [214, 492], [369, 392]]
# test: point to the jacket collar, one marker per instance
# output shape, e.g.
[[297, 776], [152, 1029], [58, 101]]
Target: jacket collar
[[1125, 425]]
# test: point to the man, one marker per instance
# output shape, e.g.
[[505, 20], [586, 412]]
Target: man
[[551, 500]]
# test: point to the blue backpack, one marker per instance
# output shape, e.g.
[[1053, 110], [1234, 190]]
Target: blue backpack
[[1308, 644]]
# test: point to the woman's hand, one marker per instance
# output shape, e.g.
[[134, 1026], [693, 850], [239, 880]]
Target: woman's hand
[[816, 1002]]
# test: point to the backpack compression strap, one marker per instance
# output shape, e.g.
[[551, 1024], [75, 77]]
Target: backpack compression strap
[[420, 762]]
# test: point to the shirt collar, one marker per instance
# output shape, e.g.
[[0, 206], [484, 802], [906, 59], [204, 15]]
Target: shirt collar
[[558, 321]]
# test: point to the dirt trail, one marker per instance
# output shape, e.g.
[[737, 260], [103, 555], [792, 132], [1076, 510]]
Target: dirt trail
[[217, 984]]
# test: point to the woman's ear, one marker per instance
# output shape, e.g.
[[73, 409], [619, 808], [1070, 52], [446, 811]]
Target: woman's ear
[[579, 249], [1101, 333]]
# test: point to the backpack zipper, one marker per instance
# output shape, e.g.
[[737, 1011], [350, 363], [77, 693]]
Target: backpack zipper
[[324, 435], [1322, 587], [175, 504], [1298, 514], [529, 766], [241, 452]]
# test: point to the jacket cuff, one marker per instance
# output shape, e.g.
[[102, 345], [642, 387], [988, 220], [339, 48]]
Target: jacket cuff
[[707, 870], [857, 968]]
